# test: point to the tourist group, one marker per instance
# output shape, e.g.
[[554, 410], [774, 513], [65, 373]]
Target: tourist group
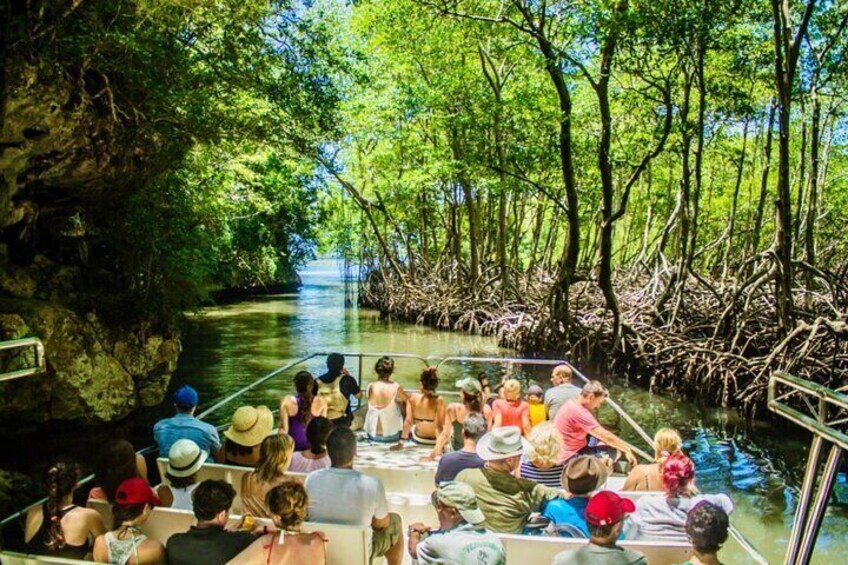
[[510, 461]]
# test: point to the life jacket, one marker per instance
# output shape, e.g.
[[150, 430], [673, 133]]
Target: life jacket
[[332, 394]]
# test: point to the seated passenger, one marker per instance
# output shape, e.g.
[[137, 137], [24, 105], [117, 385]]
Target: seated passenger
[[116, 462], [384, 420], [536, 404], [249, 427], [184, 461], [288, 504], [471, 394], [576, 423], [185, 426], [336, 386], [541, 462], [584, 475], [461, 538], [126, 544], [296, 411], [451, 464], [605, 514], [316, 458], [562, 390], [425, 410], [208, 543], [664, 516], [706, 526], [649, 476], [505, 500], [341, 495], [58, 527], [275, 455], [511, 410]]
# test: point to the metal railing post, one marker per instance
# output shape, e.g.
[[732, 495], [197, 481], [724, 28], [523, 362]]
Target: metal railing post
[[814, 518], [804, 501]]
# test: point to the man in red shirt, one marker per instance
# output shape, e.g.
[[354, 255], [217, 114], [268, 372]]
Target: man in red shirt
[[576, 423]]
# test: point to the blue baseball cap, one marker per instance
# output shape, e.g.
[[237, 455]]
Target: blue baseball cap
[[186, 397]]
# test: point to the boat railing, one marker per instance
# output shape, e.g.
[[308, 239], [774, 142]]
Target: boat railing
[[39, 361]]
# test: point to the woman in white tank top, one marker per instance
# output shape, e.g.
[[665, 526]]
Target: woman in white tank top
[[184, 461], [384, 420]]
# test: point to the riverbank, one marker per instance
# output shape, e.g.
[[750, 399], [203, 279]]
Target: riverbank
[[715, 342]]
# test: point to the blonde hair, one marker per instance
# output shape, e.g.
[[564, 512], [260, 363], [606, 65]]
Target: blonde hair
[[512, 389], [275, 456], [666, 442], [547, 444], [563, 372]]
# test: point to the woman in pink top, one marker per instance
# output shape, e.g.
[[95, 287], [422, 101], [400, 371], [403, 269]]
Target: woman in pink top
[[511, 410]]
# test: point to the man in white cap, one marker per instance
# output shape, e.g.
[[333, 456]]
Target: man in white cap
[[461, 538], [506, 501]]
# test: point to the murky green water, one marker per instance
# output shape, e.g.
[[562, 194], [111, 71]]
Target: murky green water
[[229, 346]]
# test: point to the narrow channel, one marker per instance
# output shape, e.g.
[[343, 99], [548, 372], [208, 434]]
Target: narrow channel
[[226, 347]]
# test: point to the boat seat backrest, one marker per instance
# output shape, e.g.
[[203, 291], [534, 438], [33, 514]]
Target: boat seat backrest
[[538, 549], [347, 544]]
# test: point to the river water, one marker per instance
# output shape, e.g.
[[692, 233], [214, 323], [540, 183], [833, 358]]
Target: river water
[[227, 347]]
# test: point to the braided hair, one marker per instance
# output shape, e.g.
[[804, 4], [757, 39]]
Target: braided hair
[[61, 479], [304, 384]]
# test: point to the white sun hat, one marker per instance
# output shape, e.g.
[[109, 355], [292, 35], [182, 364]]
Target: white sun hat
[[185, 458], [502, 443]]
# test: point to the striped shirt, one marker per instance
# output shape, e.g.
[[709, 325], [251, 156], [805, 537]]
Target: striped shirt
[[550, 477]]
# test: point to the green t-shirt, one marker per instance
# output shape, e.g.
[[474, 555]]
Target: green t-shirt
[[506, 501], [591, 554]]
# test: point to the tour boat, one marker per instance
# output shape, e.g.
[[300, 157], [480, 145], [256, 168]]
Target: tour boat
[[408, 482]]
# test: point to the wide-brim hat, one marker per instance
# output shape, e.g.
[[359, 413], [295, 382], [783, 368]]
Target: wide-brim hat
[[250, 425], [185, 458], [584, 474], [502, 443]]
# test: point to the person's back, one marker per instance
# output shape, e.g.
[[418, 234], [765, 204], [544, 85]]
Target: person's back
[[184, 425], [660, 517], [506, 501], [464, 545], [644, 477], [127, 544], [557, 396], [58, 527], [208, 542], [293, 549], [593, 554], [453, 463], [344, 496]]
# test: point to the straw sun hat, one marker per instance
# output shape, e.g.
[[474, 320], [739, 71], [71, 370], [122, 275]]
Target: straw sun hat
[[502, 443], [250, 425]]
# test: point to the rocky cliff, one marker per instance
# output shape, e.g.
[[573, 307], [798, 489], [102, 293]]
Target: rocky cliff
[[62, 159]]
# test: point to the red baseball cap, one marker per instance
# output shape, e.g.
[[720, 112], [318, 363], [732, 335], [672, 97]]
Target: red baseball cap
[[606, 508], [135, 491]]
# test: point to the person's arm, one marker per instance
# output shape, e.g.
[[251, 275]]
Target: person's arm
[[96, 525], [99, 552], [166, 497], [415, 533], [525, 419], [498, 416], [440, 416], [319, 407], [487, 414], [609, 438], [354, 389], [408, 420], [286, 413], [141, 465], [34, 518], [444, 437], [401, 395]]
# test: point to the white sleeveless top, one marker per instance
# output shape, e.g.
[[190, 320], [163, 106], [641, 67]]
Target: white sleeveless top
[[389, 417], [182, 496]]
